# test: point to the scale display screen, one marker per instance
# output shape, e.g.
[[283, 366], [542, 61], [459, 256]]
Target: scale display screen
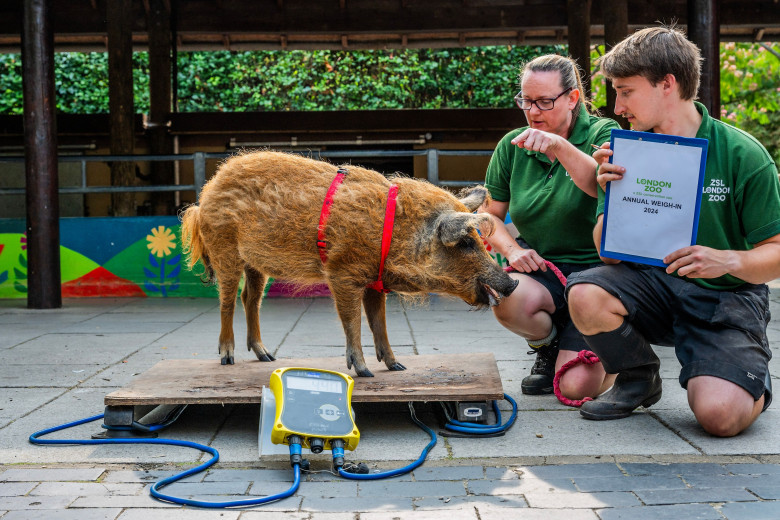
[[314, 385]]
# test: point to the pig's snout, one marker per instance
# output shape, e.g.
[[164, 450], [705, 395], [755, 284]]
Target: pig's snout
[[492, 293]]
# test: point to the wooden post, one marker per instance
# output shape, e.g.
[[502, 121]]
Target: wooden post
[[704, 31], [160, 143], [44, 289], [615, 30], [578, 13], [120, 102]]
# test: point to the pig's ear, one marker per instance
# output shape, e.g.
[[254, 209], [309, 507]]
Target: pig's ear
[[474, 197], [454, 227]]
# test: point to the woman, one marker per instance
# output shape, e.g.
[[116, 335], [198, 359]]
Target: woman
[[544, 176]]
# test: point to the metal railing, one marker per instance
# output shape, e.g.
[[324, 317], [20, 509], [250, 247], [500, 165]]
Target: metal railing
[[199, 167]]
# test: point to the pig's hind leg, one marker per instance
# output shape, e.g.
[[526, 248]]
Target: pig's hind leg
[[251, 297], [347, 298], [374, 304], [229, 277]]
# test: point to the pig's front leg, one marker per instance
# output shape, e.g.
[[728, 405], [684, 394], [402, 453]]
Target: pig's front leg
[[374, 304], [347, 298]]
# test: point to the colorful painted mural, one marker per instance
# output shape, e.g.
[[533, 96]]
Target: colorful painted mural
[[117, 257], [121, 257]]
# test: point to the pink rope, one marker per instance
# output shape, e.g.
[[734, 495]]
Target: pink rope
[[551, 266], [583, 356]]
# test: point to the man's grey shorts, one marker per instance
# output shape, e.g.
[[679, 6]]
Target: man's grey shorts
[[714, 333]]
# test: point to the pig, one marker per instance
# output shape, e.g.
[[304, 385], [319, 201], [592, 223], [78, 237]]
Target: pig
[[259, 216]]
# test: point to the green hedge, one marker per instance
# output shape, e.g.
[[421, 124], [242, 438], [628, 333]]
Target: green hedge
[[374, 79], [295, 80]]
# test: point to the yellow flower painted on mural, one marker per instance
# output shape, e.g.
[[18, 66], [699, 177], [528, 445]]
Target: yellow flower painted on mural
[[161, 241]]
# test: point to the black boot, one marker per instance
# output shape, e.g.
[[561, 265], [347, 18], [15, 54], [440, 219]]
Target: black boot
[[542, 373], [638, 383]]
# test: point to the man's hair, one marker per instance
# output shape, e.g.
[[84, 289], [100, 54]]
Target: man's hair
[[569, 72], [653, 53]]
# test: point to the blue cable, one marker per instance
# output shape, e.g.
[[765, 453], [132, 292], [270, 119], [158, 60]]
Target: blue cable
[[482, 429], [154, 491], [399, 471], [295, 449]]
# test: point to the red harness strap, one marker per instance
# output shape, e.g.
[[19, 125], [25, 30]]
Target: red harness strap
[[387, 229], [387, 237], [325, 213]]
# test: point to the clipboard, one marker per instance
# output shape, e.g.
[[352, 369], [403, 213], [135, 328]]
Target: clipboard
[[654, 209]]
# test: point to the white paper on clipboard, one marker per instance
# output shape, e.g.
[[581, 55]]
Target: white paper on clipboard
[[654, 209]]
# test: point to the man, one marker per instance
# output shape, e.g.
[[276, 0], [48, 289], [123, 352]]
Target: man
[[711, 301]]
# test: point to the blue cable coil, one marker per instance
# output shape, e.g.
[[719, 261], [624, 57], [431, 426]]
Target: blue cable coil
[[485, 429]]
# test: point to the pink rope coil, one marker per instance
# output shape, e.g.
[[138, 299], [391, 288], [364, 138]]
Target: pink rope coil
[[583, 356]]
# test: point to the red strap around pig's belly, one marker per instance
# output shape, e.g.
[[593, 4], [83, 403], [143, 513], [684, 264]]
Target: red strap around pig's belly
[[325, 213], [387, 229], [387, 236]]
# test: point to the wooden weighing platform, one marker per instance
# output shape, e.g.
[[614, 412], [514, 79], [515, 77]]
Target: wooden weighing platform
[[440, 377]]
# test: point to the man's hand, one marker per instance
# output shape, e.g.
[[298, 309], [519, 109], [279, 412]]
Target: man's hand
[[701, 262], [607, 171], [526, 260], [538, 141]]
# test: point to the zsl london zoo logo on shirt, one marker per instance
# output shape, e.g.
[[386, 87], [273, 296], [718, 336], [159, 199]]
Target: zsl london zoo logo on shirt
[[716, 191]]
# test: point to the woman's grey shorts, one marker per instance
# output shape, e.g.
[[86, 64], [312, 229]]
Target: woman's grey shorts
[[714, 333], [570, 337]]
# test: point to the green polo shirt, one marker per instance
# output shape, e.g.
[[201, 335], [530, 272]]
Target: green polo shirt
[[551, 213], [740, 203]]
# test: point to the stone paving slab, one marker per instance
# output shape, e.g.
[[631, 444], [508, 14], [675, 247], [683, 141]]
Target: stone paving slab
[[20, 401], [682, 496], [77, 489], [188, 514], [68, 514], [51, 475], [766, 491], [12, 489], [750, 510], [464, 514], [673, 512]]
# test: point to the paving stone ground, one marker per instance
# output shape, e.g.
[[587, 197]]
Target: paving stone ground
[[57, 366]]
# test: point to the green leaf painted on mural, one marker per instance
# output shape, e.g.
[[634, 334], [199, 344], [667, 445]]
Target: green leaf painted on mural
[[20, 275], [23, 260], [74, 265], [20, 288]]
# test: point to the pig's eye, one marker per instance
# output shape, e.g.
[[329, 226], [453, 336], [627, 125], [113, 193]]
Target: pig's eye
[[467, 244]]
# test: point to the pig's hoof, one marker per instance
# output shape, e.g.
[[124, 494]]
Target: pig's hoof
[[396, 366], [363, 373], [227, 360], [266, 357]]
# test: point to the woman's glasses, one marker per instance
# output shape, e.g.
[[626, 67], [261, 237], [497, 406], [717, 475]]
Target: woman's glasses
[[541, 103]]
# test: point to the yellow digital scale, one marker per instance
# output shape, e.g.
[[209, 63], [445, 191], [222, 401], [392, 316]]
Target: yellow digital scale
[[314, 405]]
